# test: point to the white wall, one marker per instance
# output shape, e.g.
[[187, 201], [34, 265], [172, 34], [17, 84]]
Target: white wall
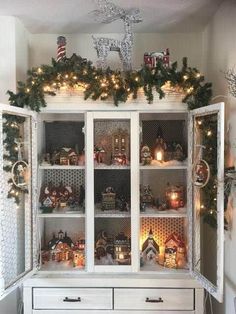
[[43, 47], [13, 56], [219, 48]]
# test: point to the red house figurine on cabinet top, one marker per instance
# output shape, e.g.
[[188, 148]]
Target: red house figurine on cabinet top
[[151, 58]]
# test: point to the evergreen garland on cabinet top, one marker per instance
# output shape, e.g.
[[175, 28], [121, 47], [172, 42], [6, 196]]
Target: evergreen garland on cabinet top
[[77, 72]]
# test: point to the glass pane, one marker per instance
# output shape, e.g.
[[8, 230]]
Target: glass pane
[[112, 192], [163, 195], [61, 205], [205, 195], [17, 209]]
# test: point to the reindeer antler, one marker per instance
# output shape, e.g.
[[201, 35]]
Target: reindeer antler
[[108, 12]]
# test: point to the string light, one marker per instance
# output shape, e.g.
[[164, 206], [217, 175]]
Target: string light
[[66, 76], [202, 206], [209, 133], [27, 90], [190, 89], [199, 122], [198, 75], [185, 77], [137, 79], [39, 70], [74, 77]]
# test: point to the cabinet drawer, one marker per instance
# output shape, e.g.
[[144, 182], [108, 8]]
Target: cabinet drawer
[[72, 298], [154, 299]]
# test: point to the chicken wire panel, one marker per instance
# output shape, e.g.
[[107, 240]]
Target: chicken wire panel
[[162, 228], [72, 177], [173, 131], [16, 219]]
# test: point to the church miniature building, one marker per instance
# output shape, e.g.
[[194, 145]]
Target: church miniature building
[[146, 196], [150, 249]]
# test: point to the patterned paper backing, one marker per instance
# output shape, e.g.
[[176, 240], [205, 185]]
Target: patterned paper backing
[[103, 130], [161, 228], [74, 177]]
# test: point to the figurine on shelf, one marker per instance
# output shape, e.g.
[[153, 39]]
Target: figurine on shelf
[[152, 58], [120, 147], [122, 249], [159, 147], [146, 197], [104, 249], [150, 249], [49, 198], [99, 154], [122, 204], [109, 199], [174, 196], [65, 195], [175, 252], [146, 157], [81, 159], [178, 153]]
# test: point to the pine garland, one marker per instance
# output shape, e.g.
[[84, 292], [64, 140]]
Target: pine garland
[[109, 84]]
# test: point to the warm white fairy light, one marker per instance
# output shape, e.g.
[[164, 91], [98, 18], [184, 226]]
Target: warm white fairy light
[[39, 70], [209, 133]]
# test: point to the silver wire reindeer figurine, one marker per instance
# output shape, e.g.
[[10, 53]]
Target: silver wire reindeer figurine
[[108, 13]]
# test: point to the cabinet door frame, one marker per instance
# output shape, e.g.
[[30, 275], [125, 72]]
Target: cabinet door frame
[[215, 290], [33, 198]]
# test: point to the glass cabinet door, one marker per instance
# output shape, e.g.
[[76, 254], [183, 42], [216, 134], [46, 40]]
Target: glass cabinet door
[[207, 181], [111, 191], [18, 177], [61, 202], [163, 203]]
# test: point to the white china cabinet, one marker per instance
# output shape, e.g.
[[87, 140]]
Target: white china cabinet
[[112, 221]]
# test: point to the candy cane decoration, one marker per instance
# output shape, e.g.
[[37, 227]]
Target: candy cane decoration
[[61, 48]]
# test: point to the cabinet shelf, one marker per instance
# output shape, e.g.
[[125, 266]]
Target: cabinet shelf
[[161, 269], [164, 167], [170, 213], [61, 167], [110, 167], [111, 214], [76, 214]]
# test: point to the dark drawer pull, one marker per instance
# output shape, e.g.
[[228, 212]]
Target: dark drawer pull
[[72, 300], [160, 300]]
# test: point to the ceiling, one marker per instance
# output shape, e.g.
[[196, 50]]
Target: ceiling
[[74, 16]]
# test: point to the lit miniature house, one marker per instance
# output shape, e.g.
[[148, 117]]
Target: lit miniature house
[[120, 147], [174, 196], [122, 248], [159, 147], [150, 249], [174, 252], [61, 247]]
